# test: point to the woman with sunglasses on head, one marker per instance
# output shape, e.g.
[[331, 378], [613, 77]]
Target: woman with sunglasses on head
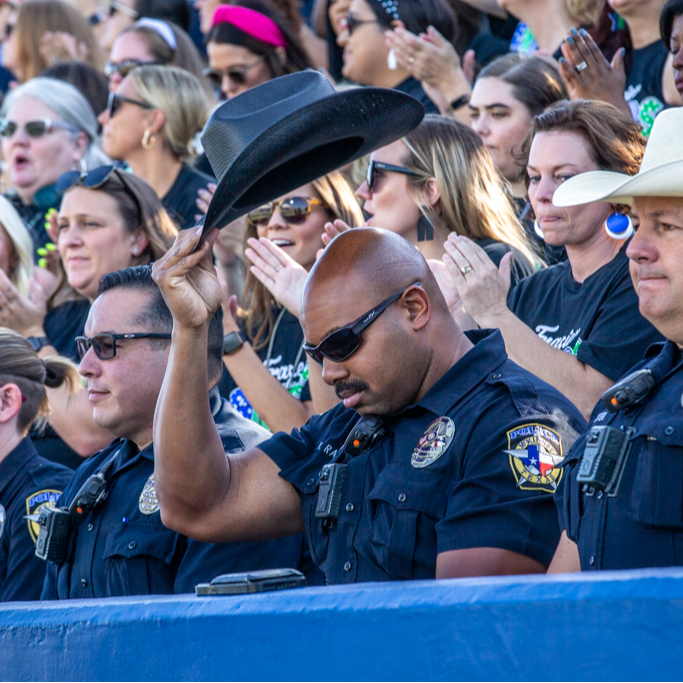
[[148, 42], [47, 128], [268, 374], [247, 47], [108, 220], [150, 124], [576, 324], [368, 60]]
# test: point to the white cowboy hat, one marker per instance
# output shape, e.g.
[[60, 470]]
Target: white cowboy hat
[[660, 174]]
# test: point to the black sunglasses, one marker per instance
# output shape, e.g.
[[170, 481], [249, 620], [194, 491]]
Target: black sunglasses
[[114, 103], [125, 66], [96, 178], [104, 345], [345, 341], [352, 23], [375, 166], [294, 210], [237, 74]]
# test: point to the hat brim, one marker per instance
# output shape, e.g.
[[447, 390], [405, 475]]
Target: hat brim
[[306, 145], [604, 186]]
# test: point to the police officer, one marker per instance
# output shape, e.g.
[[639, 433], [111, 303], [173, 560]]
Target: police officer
[[440, 461], [621, 497], [120, 546], [28, 483]]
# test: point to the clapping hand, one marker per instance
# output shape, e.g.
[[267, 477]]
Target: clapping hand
[[25, 315]]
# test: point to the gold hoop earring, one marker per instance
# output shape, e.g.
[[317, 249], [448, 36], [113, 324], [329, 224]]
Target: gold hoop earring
[[148, 140]]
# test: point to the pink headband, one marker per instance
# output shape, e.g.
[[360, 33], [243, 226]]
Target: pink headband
[[251, 22]]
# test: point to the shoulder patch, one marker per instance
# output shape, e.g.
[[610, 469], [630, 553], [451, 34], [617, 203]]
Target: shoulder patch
[[148, 503], [535, 453], [35, 504], [435, 442]]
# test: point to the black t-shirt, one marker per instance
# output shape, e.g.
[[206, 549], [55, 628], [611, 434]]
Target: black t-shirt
[[644, 92], [181, 200], [596, 320], [521, 267], [285, 359], [412, 86]]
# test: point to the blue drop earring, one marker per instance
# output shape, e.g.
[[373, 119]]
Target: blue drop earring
[[538, 231], [619, 226]]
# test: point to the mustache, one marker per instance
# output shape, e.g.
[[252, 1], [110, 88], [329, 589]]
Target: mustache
[[351, 387]]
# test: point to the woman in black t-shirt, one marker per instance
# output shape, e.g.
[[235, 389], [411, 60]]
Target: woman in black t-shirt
[[267, 378], [576, 325], [150, 124]]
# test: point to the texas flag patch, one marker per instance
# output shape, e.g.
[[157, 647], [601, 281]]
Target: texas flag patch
[[535, 453]]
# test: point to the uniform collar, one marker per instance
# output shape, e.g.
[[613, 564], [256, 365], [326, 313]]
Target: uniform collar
[[663, 358], [16, 461], [472, 369]]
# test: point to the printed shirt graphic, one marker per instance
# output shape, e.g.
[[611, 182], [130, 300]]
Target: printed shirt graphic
[[596, 320]]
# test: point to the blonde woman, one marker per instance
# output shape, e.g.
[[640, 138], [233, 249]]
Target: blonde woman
[[151, 123], [28, 483], [16, 247]]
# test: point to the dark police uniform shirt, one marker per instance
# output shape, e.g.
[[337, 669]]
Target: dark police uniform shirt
[[473, 464], [181, 200], [123, 548], [596, 320], [28, 484], [640, 523], [283, 356], [411, 86]]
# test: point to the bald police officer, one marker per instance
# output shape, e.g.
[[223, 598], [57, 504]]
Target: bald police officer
[[440, 461]]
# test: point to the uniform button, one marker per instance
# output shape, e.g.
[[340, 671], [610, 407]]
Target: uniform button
[[496, 375], [349, 507], [402, 497], [91, 526], [600, 494], [84, 583], [132, 545], [310, 482], [591, 560], [347, 566], [669, 430]]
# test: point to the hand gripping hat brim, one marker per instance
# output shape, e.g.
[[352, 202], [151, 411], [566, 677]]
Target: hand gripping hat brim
[[291, 130], [660, 174]]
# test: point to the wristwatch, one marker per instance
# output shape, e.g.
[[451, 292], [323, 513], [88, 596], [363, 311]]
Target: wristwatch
[[38, 342], [231, 342], [459, 102]]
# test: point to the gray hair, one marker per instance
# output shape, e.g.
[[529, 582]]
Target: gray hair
[[69, 105]]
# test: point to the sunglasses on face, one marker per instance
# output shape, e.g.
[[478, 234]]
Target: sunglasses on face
[[124, 67], [34, 129], [352, 23], [237, 74], [104, 345], [115, 101], [345, 341], [375, 166], [294, 210]]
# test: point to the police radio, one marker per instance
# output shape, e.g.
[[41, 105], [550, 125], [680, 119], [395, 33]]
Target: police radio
[[55, 523], [630, 391], [366, 433]]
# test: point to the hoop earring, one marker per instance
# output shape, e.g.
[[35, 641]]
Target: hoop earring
[[538, 231], [425, 227], [619, 226], [148, 140]]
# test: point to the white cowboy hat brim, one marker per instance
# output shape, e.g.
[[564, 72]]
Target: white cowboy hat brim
[[665, 180]]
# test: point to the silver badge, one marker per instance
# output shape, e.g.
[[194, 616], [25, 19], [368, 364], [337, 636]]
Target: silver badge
[[435, 442], [148, 503], [3, 517]]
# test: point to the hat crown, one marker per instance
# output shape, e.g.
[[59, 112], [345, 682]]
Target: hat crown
[[239, 121], [665, 144]]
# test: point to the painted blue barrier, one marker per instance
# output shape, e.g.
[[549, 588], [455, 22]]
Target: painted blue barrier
[[607, 626]]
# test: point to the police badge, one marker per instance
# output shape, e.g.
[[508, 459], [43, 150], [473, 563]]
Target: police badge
[[535, 455], [148, 503], [436, 440], [35, 504]]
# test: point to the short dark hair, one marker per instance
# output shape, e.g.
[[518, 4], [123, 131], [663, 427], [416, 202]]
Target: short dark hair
[[672, 9], [177, 11], [418, 15], [157, 317]]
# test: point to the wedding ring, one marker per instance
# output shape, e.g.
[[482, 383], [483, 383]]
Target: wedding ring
[[466, 269], [580, 67], [278, 269], [411, 60]]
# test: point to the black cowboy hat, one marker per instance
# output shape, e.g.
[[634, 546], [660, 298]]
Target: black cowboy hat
[[291, 130]]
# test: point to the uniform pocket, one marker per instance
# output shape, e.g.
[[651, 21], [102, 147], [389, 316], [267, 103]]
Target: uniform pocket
[[407, 505]]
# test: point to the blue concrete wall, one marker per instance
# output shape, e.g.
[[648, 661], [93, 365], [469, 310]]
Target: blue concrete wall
[[608, 626]]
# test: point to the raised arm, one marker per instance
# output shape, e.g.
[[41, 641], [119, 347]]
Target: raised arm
[[202, 493]]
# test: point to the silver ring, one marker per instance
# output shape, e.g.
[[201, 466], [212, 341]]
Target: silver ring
[[466, 269], [580, 67], [411, 60], [278, 269]]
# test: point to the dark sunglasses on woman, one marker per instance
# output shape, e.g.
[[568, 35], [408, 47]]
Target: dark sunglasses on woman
[[104, 345], [352, 23], [125, 66], [115, 101], [375, 166], [34, 129], [237, 74], [294, 210], [96, 178], [345, 341]]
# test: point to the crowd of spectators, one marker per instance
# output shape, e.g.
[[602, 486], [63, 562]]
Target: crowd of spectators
[[104, 173]]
